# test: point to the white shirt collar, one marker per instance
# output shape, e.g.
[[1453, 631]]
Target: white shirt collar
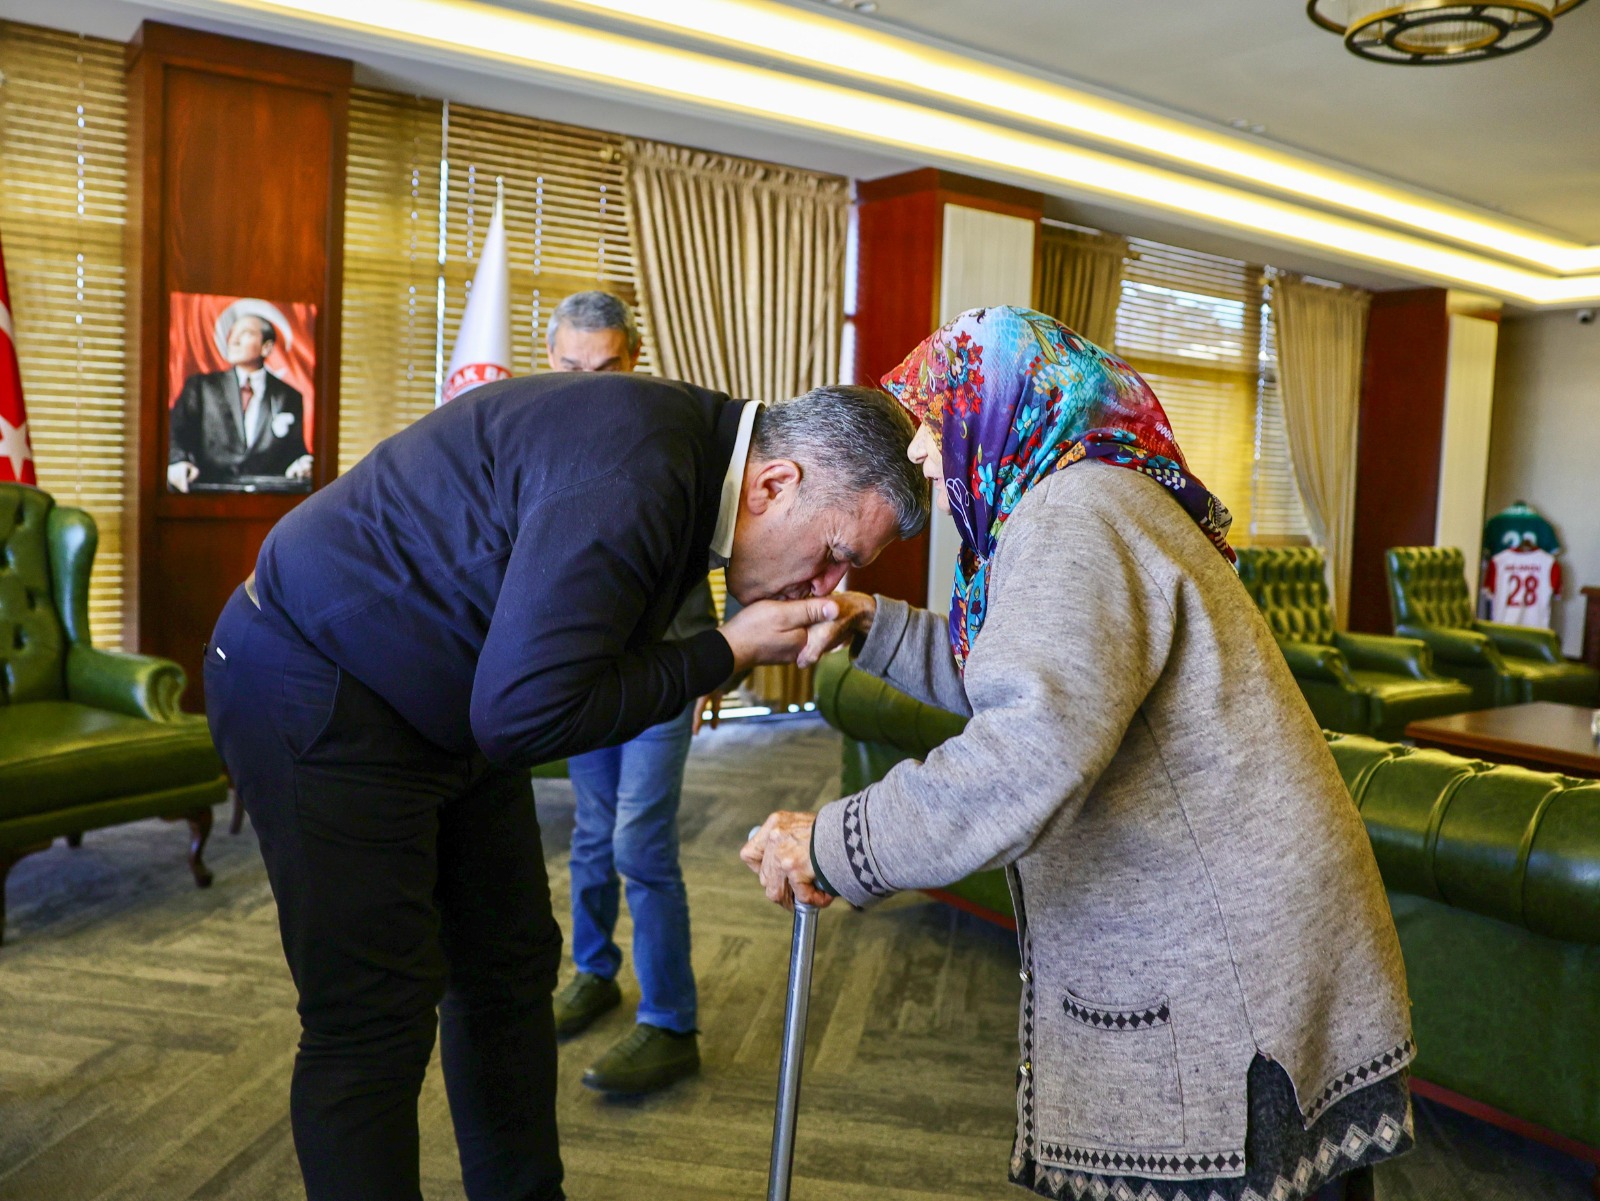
[[257, 378], [733, 487]]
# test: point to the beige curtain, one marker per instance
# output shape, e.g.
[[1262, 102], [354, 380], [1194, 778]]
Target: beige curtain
[[741, 274], [1322, 332], [1080, 280]]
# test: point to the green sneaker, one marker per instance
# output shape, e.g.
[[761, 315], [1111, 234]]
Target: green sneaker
[[648, 1059], [582, 1001]]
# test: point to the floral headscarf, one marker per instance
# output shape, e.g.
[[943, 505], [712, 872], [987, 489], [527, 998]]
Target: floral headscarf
[[1013, 396]]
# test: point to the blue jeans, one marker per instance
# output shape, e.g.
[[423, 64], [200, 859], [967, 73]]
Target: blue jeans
[[627, 826]]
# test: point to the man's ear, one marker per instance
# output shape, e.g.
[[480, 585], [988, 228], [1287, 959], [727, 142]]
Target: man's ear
[[769, 483]]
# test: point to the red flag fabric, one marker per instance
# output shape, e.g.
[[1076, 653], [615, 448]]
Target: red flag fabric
[[16, 454]]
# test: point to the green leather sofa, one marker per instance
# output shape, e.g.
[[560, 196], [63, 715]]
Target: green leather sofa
[[1502, 664], [88, 738], [1356, 683], [1493, 876]]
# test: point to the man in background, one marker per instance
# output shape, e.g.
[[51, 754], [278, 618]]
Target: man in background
[[627, 815], [243, 421]]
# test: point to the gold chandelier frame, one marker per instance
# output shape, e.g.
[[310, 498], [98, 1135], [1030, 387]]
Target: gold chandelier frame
[[1391, 35]]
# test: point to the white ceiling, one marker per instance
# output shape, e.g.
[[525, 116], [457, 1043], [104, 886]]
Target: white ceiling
[[1518, 135], [120, 20]]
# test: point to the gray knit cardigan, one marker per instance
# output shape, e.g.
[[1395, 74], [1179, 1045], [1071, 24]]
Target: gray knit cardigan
[[1192, 883]]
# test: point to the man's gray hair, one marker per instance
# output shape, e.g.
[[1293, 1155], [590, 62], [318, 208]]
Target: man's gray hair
[[847, 441], [593, 312]]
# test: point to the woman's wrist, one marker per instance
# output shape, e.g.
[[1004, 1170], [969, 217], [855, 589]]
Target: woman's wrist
[[865, 610], [869, 611]]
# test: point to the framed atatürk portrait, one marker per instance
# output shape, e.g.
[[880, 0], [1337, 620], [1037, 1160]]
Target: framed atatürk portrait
[[242, 405]]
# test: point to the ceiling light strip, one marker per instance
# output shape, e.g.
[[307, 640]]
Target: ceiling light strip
[[434, 28], [875, 59]]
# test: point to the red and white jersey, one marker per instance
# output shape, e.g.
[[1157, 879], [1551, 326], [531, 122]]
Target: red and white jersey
[[1520, 584]]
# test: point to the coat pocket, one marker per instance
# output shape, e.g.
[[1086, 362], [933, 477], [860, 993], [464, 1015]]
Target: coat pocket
[[1119, 1073]]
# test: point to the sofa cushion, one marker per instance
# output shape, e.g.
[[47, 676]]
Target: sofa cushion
[[1571, 683], [1516, 845], [1397, 700], [55, 754]]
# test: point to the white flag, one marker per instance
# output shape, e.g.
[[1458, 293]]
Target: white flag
[[483, 343]]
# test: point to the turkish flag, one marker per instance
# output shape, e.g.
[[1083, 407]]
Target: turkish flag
[[16, 455]]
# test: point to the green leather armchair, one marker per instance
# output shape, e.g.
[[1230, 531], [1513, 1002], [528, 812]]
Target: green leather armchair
[[88, 738], [1355, 683], [1493, 876], [1503, 665]]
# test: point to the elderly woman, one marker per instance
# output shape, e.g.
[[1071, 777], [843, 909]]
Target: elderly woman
[[1213, 1002]]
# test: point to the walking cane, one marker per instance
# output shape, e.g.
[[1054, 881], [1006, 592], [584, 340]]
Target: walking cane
[[794, 1050], [801, 948]]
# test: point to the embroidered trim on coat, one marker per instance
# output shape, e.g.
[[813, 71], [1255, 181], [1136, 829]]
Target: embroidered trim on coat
[[1142, 1163], [1117, 1019], [1373, 1070], [1023, 1151], [855, 845], [1357, 1146]]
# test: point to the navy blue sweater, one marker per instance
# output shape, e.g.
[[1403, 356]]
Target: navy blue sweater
[[502, 572]]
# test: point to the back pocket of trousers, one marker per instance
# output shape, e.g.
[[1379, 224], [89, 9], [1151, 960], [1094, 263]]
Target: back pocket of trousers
[[1120, 1073]]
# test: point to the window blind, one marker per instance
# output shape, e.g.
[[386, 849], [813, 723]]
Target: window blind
[[63, 200], [566, 231], [566, 212], [1193, 325], [391, 268]]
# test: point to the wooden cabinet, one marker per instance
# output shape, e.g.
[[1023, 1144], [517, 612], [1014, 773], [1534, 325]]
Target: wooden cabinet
[[929, 246], [236, 157]]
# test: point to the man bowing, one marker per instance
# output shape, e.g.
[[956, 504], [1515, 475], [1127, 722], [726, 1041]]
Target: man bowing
[[488, 589]]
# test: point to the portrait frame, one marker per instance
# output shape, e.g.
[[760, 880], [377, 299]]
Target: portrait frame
[[241, 404]]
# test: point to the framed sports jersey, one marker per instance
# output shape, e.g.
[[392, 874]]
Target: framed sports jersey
[[1521, 582], [1520, 573]]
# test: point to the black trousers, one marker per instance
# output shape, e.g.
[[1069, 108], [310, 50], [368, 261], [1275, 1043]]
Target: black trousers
[[411, 897]]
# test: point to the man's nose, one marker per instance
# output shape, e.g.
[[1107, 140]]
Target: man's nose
[[829, 580]]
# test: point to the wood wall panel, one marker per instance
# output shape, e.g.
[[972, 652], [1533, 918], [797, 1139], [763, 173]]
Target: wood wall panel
[[245, 212], [897, 256], [222, 552], [899, 249], [236, 178], [1400, 435]]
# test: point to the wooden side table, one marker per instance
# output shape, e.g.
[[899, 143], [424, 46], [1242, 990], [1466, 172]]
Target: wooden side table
[[1591, 626]]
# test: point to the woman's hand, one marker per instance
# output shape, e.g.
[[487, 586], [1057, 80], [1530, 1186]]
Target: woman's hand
[[854, 614], [780, 853]]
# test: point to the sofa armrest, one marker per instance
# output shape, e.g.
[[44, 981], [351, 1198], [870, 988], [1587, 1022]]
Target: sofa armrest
[[1525, 642], [133, 685], [1316, 661], [1380, 652], [1463, 648]]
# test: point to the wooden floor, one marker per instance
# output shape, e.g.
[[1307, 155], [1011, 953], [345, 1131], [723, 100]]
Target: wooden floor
[[146, 1032]]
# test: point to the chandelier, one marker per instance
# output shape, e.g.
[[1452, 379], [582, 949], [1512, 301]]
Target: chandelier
[[1425, 32]]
